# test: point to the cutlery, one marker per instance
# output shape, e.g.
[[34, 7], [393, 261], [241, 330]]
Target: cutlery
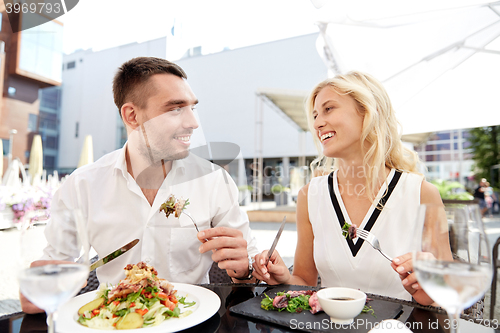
[[275, 242], [113, 255], [372, 240], [188, 215]]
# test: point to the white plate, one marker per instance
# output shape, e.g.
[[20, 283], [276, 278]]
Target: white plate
[[207, 303]]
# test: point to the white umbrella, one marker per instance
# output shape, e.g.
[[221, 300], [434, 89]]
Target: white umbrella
[[87, 154], [439, 60], [36, 160]]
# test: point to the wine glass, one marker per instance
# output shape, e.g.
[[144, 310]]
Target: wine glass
[[452, 259], [50, 285]]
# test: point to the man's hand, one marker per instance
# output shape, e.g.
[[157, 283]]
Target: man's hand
[[229, 249], [26, 305]]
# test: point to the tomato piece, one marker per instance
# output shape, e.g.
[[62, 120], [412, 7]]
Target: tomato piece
[[162, 295], [132, 304], [173, 299], [142, 312]]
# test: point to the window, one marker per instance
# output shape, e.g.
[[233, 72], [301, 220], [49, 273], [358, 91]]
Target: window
[[40, 48], [71, 65], [5, 144], [32, 122], [48, 120], [49, 161], [11, 91], [76, 129], [50, 98], [50, 142]]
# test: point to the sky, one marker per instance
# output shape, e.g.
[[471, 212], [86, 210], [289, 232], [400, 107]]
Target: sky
[[214, 24]]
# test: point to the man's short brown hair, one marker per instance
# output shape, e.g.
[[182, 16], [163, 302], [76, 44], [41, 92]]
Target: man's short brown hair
[[130, 82]]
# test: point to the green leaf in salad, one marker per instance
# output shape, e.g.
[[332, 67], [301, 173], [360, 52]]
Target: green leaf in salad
[[133, 297], [267, 303], [171, 313], [182, 300], [298, 304], [368, 309], [122, 312], [345, 229]]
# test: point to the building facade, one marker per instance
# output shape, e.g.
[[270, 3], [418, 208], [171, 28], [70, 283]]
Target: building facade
[[30, 60]]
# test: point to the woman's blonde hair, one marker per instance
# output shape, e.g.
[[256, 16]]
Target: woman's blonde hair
[[380, 139]]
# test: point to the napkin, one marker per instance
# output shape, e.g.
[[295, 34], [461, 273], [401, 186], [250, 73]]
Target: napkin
[[390, 325]]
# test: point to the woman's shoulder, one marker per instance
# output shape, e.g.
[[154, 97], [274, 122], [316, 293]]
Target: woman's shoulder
[[429, 194]]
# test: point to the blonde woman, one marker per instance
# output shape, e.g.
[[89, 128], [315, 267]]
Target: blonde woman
[[362, 164]]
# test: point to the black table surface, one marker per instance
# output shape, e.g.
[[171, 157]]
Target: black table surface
[[417, 318]]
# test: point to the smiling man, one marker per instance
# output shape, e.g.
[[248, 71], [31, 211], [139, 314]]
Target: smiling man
[[121, 193]]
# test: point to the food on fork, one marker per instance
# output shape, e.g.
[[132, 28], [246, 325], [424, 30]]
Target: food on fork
[[174, 206], [140, 300], [349, 230]]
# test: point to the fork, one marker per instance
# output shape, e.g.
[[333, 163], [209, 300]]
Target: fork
[[372, 240], [188, 215]]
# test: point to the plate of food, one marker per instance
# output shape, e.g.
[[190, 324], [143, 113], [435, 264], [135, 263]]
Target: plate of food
[[140, 301]]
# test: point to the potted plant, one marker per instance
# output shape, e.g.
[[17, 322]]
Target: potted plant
[[452, 191], [281, 194], [245, 195]]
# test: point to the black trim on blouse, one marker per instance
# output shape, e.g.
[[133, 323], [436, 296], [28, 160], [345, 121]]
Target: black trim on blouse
[[355, 247]]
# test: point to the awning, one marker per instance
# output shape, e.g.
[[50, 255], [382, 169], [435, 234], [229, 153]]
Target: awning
[[292, 104]]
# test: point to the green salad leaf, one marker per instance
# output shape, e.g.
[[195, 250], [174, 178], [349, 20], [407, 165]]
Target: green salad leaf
[[295, 304], [345, 229]]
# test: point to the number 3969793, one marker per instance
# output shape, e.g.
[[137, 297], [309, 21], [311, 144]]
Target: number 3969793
[[39, 8]]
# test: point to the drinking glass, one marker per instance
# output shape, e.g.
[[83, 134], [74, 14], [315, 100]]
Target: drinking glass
[[50, 285], [452, 259]]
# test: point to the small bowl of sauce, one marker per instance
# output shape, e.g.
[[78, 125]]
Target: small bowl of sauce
[[342, 304]]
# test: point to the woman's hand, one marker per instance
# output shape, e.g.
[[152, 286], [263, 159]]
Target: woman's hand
[[275, 272], [403, 265]]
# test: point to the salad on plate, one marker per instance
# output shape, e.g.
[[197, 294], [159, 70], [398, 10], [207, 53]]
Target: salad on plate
[[140, 300]]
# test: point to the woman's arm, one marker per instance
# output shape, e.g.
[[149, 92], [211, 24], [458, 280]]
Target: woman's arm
[[304, 268]]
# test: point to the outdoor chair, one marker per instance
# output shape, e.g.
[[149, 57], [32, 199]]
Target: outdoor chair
[[92, 281], [217, 275]]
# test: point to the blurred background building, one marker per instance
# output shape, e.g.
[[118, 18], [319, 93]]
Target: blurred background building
[[30, 60]]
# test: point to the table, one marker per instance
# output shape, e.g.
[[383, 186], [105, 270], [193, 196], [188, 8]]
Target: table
[[419, 319]]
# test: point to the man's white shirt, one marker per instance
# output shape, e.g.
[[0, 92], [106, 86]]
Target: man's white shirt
[[117, 212]]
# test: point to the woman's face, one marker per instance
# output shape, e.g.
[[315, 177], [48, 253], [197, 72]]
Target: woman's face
[[338, 124]]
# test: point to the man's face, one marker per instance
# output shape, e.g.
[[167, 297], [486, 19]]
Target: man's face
[[167, 122]]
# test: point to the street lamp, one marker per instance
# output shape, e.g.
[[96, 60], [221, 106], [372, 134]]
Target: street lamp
[[11, 139]]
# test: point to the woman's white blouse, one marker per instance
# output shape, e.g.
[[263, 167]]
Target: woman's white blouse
[[367, 270]]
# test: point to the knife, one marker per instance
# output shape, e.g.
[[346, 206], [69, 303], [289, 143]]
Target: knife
[[278, 235], [113, 255]]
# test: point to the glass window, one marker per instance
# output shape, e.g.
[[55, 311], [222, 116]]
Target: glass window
[[437, 147], [76, 129], [49, 161], [5, 143], [11, 91], [71, 65], [50, 142], [48, 120], [50, 98], [40, 50], [32, 122]]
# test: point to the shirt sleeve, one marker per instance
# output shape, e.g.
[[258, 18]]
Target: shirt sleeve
[[228, 211], [60, 231]]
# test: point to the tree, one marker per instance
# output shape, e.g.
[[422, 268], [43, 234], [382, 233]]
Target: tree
[[485, 144]]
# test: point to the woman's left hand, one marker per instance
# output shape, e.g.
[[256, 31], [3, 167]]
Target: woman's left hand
[[403, 265]]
